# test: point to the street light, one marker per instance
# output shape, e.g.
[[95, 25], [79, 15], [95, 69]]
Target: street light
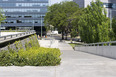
[[41, 26]]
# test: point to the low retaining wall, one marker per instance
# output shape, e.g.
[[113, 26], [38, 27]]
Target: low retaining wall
[[107, 51], [15, 36], [9, 33], [22, 41]]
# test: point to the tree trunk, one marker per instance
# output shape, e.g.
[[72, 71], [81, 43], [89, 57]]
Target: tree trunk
[[62, 35], [66, 37], [71, 39]]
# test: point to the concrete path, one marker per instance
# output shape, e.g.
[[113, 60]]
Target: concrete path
[[49, 43], [73, 64]]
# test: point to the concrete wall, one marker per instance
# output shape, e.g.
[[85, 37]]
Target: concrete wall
[[107, 51], [12, 43]]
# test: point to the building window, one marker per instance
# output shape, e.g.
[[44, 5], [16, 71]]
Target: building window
[[108, 5], [5, 0]]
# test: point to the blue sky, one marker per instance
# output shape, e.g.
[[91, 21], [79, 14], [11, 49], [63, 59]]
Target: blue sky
[[55, 1]]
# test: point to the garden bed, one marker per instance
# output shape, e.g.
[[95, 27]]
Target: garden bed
[[30, 55]]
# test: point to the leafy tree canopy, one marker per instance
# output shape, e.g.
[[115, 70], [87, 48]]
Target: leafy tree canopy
[[60, 16], [93, 24]]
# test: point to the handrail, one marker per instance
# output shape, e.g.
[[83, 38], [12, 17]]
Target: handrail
[[13, 36], [14, 30], [99, 43]]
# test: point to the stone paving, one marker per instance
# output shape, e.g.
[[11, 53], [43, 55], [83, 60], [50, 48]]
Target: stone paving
[[73, 64]]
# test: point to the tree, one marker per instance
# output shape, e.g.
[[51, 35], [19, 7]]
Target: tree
[[93, 24], [2, 17], [114, 28], [74, 18], [59, 15], [54, 17], [73, 34]]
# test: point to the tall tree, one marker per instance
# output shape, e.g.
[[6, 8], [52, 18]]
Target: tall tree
[[93, 24], [59, 15], [2, 18], [114, 28]]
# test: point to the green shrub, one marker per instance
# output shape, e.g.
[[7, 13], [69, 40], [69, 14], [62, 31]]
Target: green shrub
[[32, 43], [33, 55]]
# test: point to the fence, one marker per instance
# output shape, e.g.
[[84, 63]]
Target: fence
[[106, 49], [15, 36]]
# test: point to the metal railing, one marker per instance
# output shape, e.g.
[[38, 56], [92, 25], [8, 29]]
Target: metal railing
[[15, 36], [107, 49], [100, 43], [15, 30]]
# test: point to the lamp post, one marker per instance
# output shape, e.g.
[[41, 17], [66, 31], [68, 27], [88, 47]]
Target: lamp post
[[33, 25], [41, 26]]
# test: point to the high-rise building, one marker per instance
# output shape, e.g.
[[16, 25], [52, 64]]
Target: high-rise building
[[110, 5], [24, 14]]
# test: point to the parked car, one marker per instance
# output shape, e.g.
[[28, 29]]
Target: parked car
[[54, 32]]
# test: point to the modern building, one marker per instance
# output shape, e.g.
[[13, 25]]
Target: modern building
[[24, 14], [110, 5]]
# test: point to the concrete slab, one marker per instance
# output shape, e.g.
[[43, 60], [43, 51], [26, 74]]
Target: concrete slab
[[73, 64], [49, 43], [64, 46], [27, 71]]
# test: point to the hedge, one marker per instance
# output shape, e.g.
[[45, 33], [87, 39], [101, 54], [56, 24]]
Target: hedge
[[33, 55]]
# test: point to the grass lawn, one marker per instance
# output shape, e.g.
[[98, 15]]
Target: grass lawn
[[74, 44]]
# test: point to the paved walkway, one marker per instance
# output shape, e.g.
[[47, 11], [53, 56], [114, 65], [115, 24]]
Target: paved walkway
[[73, 64]]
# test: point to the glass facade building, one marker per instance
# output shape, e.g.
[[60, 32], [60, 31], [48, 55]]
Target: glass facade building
[[110, 5], [24, 13]]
